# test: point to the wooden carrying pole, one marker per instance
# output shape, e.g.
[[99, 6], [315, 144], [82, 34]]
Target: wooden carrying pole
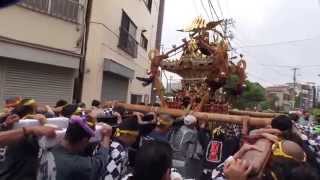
[[254, 114], [253, 121]]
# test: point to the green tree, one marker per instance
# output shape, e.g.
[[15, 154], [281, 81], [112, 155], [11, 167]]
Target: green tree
[[253, 95], [265, 105]]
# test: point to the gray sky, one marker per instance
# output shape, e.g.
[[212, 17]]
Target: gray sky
[[273, 34]]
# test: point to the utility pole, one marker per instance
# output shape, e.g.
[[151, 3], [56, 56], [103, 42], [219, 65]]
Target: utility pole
[[225, 28], [295, 77], [295, 69], [77, 92]]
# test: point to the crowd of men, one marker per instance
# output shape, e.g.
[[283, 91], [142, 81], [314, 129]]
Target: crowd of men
[[143, 146]]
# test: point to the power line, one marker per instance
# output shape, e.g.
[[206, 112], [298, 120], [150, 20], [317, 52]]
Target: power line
[[215, 12], [253, 75], [260, 79], [274, 70], [219, 6], [277, 66], [294, 68], [211, 12], [285, 66], [118, 36], [224, 29], [310, 66], [204, 8], [277, 71], [278, 43], [281, 66]]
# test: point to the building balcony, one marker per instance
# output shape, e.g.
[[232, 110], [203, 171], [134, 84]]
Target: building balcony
[[54, 24], [67, 10]]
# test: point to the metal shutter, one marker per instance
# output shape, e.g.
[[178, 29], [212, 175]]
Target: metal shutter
[[1, 83], [114, 87], [45, 83]]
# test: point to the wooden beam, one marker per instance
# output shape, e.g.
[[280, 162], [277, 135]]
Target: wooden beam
[[253, 121], [254, 114]]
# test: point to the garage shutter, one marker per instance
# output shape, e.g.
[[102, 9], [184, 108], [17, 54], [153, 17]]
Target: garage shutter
[[114, 87], [45, 83], [1, 83]]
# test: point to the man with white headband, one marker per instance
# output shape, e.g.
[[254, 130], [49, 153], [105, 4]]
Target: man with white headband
[[184, 143], [190, 120], [68, 159]]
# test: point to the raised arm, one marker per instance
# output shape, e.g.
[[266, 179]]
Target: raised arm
[[11, 136], [203, 101]]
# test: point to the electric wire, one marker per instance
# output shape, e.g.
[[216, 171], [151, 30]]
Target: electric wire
[[204, 8]]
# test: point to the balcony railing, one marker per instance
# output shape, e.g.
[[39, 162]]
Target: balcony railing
[[64, 9], [128, 43]]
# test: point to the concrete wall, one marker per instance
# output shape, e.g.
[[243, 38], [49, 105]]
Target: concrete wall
[[103, 43], [29, 26]]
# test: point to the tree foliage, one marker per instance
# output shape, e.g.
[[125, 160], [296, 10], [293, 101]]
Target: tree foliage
[[252, 96], [266, 105]]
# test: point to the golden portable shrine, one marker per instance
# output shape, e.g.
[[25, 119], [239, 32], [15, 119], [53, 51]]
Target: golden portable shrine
[[210, 81], [210, 78]]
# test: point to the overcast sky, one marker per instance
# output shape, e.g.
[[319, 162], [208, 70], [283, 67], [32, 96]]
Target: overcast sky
[[274, 35]]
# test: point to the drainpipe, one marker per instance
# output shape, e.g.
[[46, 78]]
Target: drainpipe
[[160, 24], [79, 80]]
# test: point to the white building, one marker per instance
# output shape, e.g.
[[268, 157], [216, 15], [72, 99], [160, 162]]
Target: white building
[[306, 94], [121, 34], [282, 93], [317, 95], [40, 47]]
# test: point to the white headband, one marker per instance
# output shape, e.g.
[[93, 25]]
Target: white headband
[[189, 119]]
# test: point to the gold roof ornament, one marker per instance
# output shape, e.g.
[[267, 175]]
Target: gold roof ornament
[[200, 23], [197, 23]]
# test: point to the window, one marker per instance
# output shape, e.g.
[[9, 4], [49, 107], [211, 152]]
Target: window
[[38, 5], [148, 4], [144, 42], [136, 99], [64, 9], [128, 31]]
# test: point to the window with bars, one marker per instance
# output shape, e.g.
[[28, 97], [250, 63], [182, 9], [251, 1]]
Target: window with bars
[[148, 4], [127, 41], [143, 41], [64, 9]]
